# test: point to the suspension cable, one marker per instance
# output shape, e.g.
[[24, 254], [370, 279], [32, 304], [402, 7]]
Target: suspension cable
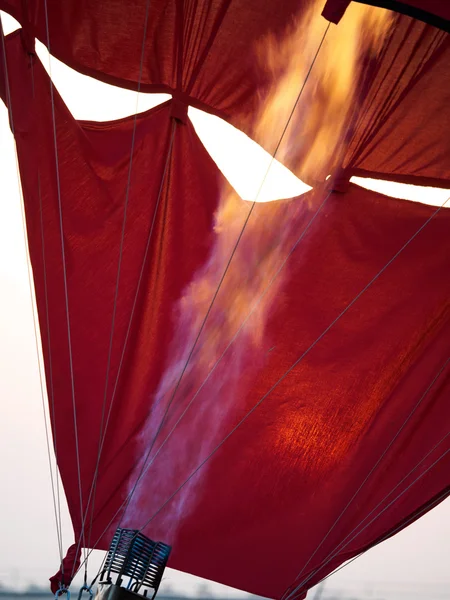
[[223, 354], [378, 461], [391, 533], [63, 257], [174, 126], [374, 468], [241, 327], [247, 415], [221, 357], [128, 499], [144, 260], [233, 252], [56, 502], [292, 367], [286, 373], [103, 426], [408, 487], [329, 558], [50, 367]]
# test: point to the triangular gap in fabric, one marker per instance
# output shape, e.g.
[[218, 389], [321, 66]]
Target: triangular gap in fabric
[[89, 99], [432, 196], [9, 23], [249, 169], [243, 162]]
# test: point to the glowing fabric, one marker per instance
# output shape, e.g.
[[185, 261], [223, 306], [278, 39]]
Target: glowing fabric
[[258, 511]]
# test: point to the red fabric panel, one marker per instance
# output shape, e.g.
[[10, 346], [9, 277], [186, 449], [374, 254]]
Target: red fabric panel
[[401, 127], [398, 123], [203, 49], [204, 53], [254, 516], [93, 167]]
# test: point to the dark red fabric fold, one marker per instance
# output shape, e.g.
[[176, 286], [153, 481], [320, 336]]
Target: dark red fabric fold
[[70, 565], [398, 130]]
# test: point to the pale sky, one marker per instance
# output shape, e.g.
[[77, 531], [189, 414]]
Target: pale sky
[[415, 561]]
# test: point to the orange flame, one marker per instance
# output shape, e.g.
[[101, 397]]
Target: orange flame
[[318, 126], [253, 279], [317, 131]]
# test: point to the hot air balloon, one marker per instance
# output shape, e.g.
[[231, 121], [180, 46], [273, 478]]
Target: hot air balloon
[[265, 465]]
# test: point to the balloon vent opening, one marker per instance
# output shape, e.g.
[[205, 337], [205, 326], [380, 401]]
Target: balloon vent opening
[[134, 565]]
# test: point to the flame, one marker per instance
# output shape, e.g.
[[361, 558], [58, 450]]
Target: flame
[[253, 280], [317, 131]]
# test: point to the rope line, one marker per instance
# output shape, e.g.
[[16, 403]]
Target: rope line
[[147, 455], [373, 469], [226, 349], [103, 427], [255, 306], [381, 457], [56, 498], [63, 257], [128, 499], [52, 417], [389, 534], [405, 524], [56, 503], [223, 354], [288, 371], [340, 546], [47, 318], [133, 309], [174, 126], [292, 367], [282, 377], [408, 487]]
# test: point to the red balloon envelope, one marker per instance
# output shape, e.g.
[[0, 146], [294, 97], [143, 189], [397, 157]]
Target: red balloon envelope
[[353, 443]]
